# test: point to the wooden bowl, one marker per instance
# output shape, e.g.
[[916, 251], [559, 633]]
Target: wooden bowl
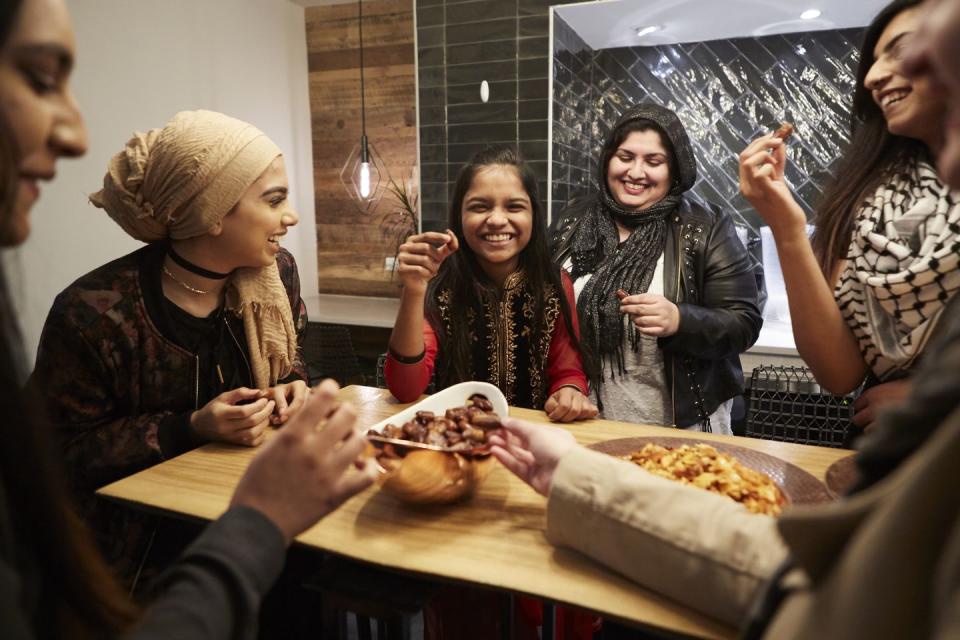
[[434, 477]]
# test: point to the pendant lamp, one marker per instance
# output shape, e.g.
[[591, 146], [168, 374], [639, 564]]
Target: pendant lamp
[[364, 175]]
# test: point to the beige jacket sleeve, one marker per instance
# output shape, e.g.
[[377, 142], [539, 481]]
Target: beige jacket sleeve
[[690, 545]]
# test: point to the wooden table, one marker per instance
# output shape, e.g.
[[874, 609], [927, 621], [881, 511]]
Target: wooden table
[[494, 539]]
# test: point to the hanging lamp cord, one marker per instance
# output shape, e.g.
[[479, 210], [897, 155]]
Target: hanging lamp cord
[[363, 106]]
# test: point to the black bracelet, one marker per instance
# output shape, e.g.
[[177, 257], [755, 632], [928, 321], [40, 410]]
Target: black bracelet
[[406, 359]]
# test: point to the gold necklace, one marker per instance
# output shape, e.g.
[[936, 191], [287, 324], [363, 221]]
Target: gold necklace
[[184, 284]]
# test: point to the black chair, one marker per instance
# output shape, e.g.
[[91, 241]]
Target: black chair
[[389, 602], [329, 353], [381, 380]]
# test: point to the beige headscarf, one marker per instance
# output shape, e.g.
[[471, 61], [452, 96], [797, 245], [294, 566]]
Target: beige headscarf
[[179, 181]]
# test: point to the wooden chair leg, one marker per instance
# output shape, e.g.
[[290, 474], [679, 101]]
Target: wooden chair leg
[[363, 627], [506, 624], [549, 621], [395, 627]]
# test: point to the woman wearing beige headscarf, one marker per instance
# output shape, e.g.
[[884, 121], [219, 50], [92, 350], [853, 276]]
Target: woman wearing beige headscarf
[[190, 339]]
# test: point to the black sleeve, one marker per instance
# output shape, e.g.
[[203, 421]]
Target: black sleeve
[[727, 321], [215, 590], [175, 436], [78, 384]]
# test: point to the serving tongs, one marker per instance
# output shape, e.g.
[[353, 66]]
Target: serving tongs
[[489, 423], [410, 444]]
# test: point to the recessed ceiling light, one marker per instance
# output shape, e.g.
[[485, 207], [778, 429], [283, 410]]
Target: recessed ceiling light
[[810, 14], [645, 31]]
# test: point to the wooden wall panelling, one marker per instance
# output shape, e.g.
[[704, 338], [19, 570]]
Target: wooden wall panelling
[[351, 246]]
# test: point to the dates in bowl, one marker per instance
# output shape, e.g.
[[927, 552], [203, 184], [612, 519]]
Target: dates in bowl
[[462, 428], [435, 451]]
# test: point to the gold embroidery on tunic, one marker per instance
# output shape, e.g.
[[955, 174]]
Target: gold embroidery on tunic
[[501, 328], [471, 325], [503, 335], [443, 306], [551, 310]]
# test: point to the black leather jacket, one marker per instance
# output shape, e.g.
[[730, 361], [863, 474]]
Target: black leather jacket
[[712, 279]]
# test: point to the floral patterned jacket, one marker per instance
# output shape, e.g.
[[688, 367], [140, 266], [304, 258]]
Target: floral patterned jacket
[[113, 384]]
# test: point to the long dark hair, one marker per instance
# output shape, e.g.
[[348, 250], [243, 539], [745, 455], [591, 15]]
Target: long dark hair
[[79, 595], [873, 156], [8, 153], [462, 275]]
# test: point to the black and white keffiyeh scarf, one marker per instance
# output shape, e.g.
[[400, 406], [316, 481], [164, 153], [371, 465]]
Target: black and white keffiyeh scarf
[[902, 268]]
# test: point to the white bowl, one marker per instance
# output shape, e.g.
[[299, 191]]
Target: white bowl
[[439, 477], [455, 396]]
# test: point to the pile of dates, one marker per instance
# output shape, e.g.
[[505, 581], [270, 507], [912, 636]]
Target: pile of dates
[[459, 429]]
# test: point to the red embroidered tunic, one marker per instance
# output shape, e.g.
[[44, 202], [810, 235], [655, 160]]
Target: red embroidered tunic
[[564, 366]]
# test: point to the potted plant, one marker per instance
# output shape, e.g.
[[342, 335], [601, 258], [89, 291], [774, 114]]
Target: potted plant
[[400, 221]]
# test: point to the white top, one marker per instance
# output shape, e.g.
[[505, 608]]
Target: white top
[[641, 395]]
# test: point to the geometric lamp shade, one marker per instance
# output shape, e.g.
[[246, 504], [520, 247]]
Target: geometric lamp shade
[[365, 176]]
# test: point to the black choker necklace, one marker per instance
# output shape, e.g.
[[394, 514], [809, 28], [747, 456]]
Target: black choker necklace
[[192, 268]]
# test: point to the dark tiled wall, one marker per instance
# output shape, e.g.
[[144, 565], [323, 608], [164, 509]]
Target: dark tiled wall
[[504, 42], [727, 92], [574, 97]]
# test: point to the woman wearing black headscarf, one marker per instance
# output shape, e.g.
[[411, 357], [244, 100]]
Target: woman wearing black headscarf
[[691, 290]]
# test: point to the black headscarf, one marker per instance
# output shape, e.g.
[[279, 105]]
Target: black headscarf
[[596, 247]]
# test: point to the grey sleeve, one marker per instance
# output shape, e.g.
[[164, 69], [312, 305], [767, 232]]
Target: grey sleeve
[[215, 589]]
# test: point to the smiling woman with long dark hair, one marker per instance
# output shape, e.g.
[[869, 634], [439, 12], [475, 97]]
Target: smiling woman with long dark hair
[[484, 301], [866, 295]]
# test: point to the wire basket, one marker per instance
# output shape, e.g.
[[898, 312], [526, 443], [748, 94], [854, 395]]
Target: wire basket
[[787, 404]]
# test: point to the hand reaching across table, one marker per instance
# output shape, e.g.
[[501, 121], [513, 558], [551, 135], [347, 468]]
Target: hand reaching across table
[[531, 451]]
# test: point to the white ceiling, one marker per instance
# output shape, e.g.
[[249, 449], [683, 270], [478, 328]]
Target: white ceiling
[[614, 23]]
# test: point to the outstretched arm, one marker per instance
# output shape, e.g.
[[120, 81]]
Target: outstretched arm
[[662, 534], [823, 338]]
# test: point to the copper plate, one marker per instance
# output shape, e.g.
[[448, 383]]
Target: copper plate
[[797, 485], [842, 475]]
